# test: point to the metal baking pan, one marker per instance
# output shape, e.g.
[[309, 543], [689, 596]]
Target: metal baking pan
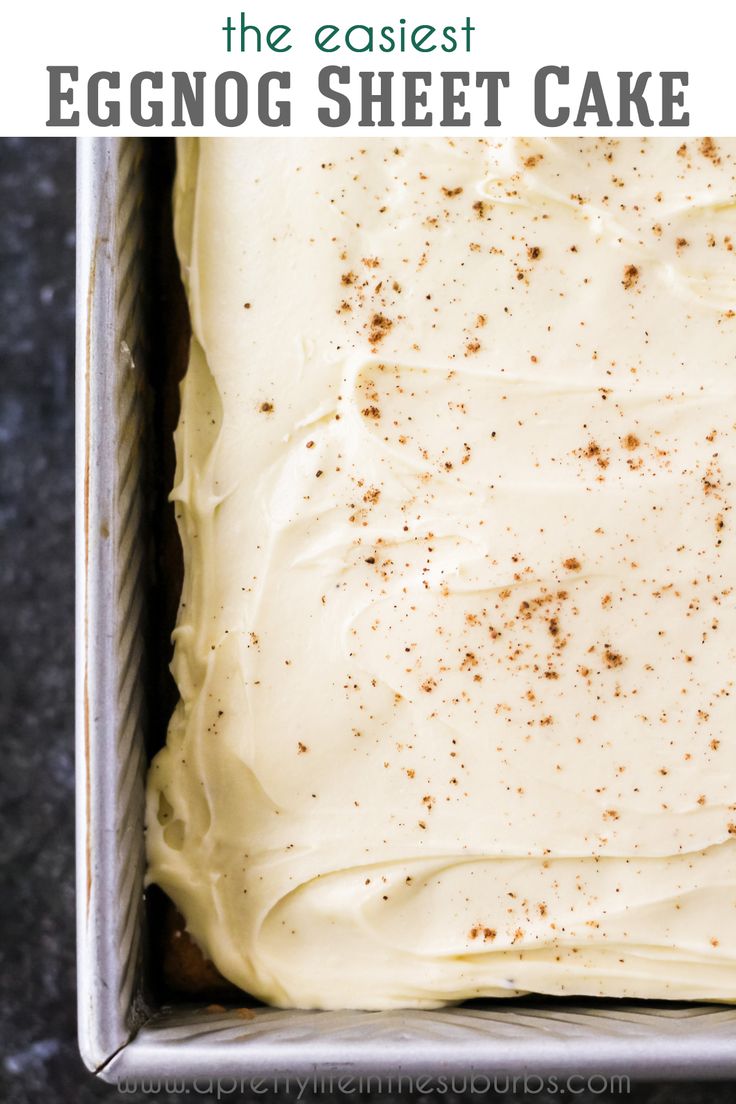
[[125, 1031]]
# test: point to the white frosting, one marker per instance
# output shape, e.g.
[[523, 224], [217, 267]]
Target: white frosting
[[457, 636]]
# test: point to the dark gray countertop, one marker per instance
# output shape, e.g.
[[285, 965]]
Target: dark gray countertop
[[39, 1060]]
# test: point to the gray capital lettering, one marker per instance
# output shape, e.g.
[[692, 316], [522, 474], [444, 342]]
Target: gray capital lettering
[[57, 97], [282, 115], [240, 83], [186, 96], [341, 75], [593, 102], [112, 118], [453, 97], [413, 99], [155, 116], [561, 73], [494, 82], [369, 97], [672, 99], [629, 96]]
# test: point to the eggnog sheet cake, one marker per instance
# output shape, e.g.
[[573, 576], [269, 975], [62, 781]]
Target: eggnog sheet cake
[[456, 647]]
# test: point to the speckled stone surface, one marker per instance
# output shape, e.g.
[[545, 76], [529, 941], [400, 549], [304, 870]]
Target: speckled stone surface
[[38, 1051]]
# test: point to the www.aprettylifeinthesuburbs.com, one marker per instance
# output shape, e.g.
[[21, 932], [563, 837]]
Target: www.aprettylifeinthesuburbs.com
[[297, 1088]]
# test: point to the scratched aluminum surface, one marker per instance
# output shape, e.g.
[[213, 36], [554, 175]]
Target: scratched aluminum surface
[[110, 756], [121, 1033]]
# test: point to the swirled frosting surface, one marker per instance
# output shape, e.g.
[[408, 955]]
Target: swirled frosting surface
[[457, 639]]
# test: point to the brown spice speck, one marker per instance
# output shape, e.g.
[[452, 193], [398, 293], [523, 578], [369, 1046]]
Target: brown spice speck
[[380, 326], [489, 934], [708, 148], [593, 451], [631, 277]]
